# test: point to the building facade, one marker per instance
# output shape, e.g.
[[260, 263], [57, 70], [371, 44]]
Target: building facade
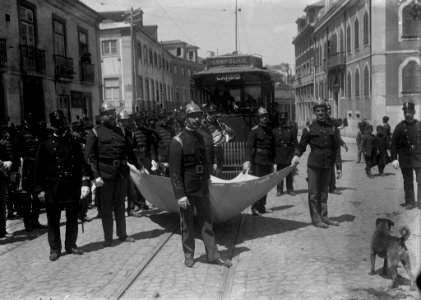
[[48, 59], [139, 72], [367, 60]]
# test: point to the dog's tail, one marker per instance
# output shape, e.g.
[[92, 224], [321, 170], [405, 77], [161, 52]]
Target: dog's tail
[[405, 233]]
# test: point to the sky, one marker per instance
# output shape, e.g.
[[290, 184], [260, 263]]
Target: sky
[[265, 27]]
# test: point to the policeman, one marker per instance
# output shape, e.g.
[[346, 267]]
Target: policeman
[[28, 142], [190, 179], [61, 179], [107, 151], [406, 153], [285, 142], [325, 152], [259, 154], [164, 133]]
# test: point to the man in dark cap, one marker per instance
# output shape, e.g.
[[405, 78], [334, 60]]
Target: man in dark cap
[[259, 154], [285, 142], [108, 151], [61, 179], [406, 153], [190, 178], [325, 152]]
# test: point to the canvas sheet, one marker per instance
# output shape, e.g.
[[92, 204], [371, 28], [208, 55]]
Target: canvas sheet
[[228, 197]]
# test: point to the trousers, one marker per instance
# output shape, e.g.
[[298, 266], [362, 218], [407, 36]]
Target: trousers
[[318, 187], [202, 205], [408, 184], [289, 179], [260, 170], [112, 197]]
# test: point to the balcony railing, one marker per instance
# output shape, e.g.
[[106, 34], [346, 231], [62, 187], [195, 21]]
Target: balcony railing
[[33, 60], [63, 66], [87, 72], [3, 54], [336, 60]]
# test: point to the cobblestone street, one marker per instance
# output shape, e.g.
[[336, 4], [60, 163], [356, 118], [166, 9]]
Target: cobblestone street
[[275, 256]]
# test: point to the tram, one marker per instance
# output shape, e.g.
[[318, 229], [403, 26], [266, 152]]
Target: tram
[[238, 85]]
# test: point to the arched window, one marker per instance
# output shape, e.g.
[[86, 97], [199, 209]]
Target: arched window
[[357, 34], [341, 47], [366, 82], [357, 83], [411, 78], [321, 90], [349, 86], [365, 29], [348, 39], [411, 28]]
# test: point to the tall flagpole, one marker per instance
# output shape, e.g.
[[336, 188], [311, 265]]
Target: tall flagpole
[[236, 29]]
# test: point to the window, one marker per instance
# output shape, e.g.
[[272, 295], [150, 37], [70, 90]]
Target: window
[[155, 60], [150, 57], [83, 42], [341, 47], [139, 51], [348, 39], [112, 90], [191, 55], [27, 26], [178, 51], [147, 96], [356, 34], [349, 86], [145, 54], [175, 70], [182, 71], [59, 38], [365, 37], [411, 78], [140, 88], [152, 90], [109, 47], [357, 83], [411, 28], [366, 82]]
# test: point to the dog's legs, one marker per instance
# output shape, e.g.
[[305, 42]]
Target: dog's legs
[[385, 267], [407, 265], [373, 262], [393, 270]]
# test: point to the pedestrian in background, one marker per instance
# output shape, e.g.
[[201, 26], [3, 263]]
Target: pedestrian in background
[[382, 145], [368, 146], [406, 153], [108, 151], [360, 134], [5, 166], [190, 178], [387, 131], [259, 155], [285, 142], [323, 140], [61, 179]]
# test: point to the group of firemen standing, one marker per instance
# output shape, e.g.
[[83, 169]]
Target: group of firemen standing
[[58, 169]]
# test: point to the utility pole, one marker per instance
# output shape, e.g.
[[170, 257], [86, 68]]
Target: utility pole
[[134, 65], [290, 92], [236, 26]]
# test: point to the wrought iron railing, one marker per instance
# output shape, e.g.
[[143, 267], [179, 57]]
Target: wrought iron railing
[[33, 60], [336, 60], [63, 66], [87, 72]]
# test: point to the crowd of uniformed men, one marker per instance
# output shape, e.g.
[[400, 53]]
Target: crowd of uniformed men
[[63, 168]]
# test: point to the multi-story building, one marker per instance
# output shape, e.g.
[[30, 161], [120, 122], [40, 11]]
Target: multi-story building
[[367, 61], [48, 59], [140, 73]]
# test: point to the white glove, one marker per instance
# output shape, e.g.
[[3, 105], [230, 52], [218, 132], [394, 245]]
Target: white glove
[[84, 192], [275, 168], [154, 165], [395, 164], [183, 202], [214, 167], [99, 182], [7, 164], [246, 165], [295, 160], [41, 196]]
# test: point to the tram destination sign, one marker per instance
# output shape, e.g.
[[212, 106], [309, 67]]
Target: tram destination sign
[[228, 77], [234, 61]]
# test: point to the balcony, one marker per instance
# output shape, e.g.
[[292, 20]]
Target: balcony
[[336, 61], [63, 66], [33, 60], [87, 72], [3, 54]]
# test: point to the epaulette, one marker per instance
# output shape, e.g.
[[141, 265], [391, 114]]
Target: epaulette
[[255, 127]]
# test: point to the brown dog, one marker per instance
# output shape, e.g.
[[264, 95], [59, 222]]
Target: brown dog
[[392, 249]]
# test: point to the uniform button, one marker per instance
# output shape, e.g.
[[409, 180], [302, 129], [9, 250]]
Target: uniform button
[[57, 157]]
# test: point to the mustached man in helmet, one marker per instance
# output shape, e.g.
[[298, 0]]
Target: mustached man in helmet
[[108, 150], [190, 179], [61, 180], [406, 153], [285, 141], [323, 140], [259, 154]]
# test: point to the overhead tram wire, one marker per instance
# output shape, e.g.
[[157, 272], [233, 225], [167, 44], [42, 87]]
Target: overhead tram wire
[[245, 32]]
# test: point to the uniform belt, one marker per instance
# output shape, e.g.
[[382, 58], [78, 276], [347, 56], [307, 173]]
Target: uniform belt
[[327, 152], [262, 150], [114, 162], [284, 146], [64, 174], [198, 168]]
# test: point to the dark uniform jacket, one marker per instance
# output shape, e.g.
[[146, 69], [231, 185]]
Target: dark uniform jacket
[[260, 147], [210, 149], [368, 144], [323, 139], [285, 142], [164, 135], [146, 145], [59, 169], [406, 143], [188, 165], [107, 151]]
